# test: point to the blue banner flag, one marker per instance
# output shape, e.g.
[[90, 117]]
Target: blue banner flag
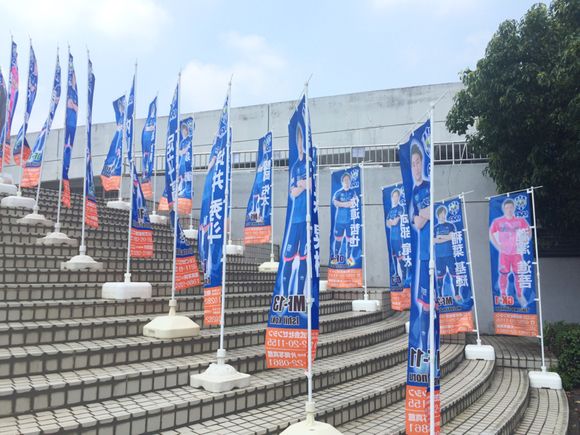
[[454, 291], [91, 213], [30, 98], [415, 162], [258, 227], [70, 128], [129, 121], [512, 255], [13, 82], [346, 233], [398, 233], [111, 173], [184, 174], [141, 230], [3, 106], [31, 174], [213, 219], [166, 201], [148, 149], [186, 270], [287, 332]]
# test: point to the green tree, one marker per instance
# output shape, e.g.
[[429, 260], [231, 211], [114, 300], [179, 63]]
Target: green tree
[[521, 106]]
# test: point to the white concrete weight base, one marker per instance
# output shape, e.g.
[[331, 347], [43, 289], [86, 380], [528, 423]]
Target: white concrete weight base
[[56, 239], [367, 305], [171, 326], [6, 178], [119, 205], [35, 219], [190, 233], [8, 188], [480, 351], [311, 426], [323, 285], [268, 267], [220, 377], [18, 201], [234, 249], [158, 219], [81, 262], [126, 290], [407, 327], [543, 379]]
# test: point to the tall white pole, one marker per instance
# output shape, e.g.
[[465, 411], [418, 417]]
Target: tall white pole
[[25, 125], [154, 157], [60, 169], [191, 212], [175, 197], [537, 264], [83, 248], [128, 271], [432, 353], [221, 350], [470, 265], [364, 241]]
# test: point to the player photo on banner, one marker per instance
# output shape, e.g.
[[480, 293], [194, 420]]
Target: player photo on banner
[[512, 264], [13, 81], [21, 147], [257, 228], [398, 233], [287, 332], [72, 110], [148, 149], [186, 270], [416, 173], [454, 291], [346, 232], [185, 158], [111, 173], [141, 230], [91, 213]]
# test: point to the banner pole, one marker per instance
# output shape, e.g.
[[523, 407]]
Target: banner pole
[[175, 196], [364, 241], [470, 264], [432, 354], [154, 157], [539, 299], [58, 164], [191, 211], [123, 145], [82, 247], [128, 272]]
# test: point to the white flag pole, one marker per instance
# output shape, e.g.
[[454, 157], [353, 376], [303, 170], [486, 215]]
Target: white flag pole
[[432, 353], [272, 197], [132, 121], [175, 192], [537, 264]]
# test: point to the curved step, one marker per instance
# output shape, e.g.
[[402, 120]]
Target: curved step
[[547, 413]]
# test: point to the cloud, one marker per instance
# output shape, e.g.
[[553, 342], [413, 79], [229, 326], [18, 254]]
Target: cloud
[[442, 8]]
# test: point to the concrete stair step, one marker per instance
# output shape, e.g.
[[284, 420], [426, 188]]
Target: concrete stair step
[[69, 330], [58, 357], [547, 413], [370, 346]]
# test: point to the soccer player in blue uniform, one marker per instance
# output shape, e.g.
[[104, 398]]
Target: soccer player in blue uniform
[[444, 260], [343, 200], [295, 243], [394, 224], [183, 155]]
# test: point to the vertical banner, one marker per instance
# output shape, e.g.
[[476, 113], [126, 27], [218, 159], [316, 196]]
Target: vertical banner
[[184, 174], [31, 174], [111, 173], [141, 231], [31, 89], [11, 104], [512, 265], [258, 226], [398, 233], [346, 235], [454, 291], [287, 332], [416, 173], [213, 220], [3, 107], [91, 212], [166, 200], [72, 109], [148, 149], [186, 270]]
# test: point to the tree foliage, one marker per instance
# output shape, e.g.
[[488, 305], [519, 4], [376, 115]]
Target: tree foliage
[[521, 107]]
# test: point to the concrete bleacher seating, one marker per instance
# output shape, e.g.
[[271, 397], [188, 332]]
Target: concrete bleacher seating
[[72, 362]]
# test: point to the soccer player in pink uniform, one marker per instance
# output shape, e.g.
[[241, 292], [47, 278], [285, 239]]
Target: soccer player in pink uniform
[[506, 233]]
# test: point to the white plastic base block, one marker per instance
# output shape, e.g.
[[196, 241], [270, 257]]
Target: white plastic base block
[[323, 285], [234, 249], [171, 326], [158, 219], [8, 188], [16, 201], [6, 178], [543, 379], [220, 377], [268, 267], [56, 239], [126, 290], [190, 233], [119, 205], [311, 426], [480, 351], [368, 305], [35, 219], [407, 327], [81, 262]]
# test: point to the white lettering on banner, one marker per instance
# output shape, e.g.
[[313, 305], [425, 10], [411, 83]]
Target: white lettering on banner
[[456, 238], [458, 251], [522, 241], [525, 274], [406, 251], [265, 194], [217, 180], [354, 209], [461, 281], [460, 268], [215, 208], [267, 166]]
